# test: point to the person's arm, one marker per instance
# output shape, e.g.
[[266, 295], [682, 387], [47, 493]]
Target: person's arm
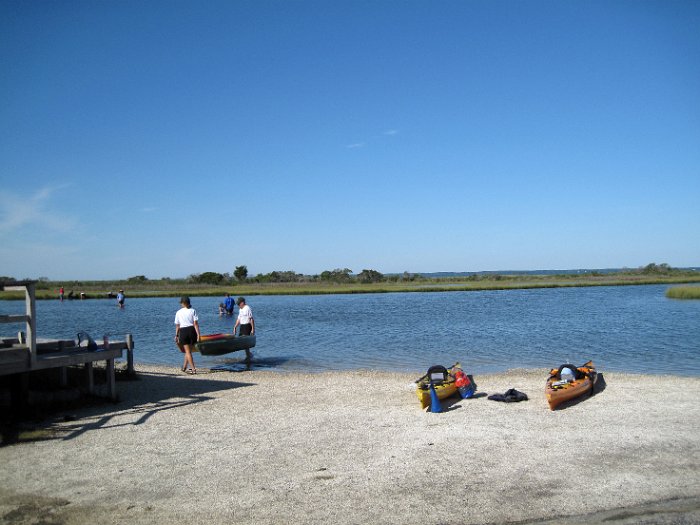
[[177, 331], [238, 321], [252, 325], [196, 328]]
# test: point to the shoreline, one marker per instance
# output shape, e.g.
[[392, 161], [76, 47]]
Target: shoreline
[[354, 447], [102, 289]]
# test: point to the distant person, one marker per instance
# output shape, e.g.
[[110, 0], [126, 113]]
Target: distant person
[[222, 309], [187, 332], [228, 304], [245, 319], [120, 299], [60, 294]]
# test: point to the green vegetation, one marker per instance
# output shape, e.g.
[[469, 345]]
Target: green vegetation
[[343, 280], [683, 292]]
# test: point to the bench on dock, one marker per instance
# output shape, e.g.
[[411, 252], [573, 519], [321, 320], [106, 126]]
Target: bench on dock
[[26, 354]]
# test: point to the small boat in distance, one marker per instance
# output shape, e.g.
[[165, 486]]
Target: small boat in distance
[[219, 344]]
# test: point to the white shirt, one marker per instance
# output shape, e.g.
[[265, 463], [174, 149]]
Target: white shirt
[[245, 314], [186, 317]]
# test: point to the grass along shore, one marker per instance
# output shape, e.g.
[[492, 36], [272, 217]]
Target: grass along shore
[[176, 288], [683, 292]]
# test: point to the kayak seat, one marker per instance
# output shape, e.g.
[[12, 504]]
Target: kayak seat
[[578, 374], [437, 374]]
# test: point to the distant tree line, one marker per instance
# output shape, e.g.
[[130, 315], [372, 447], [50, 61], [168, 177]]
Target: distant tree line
[[337, 275], [346, 275], [657, 269]]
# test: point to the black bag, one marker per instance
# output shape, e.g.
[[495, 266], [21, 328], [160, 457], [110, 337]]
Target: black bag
[[511, 396]]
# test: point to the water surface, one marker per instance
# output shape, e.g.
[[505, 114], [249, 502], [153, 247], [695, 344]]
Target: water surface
[[624, 328]]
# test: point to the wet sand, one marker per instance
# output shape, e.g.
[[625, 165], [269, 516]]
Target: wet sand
[[354, 447]]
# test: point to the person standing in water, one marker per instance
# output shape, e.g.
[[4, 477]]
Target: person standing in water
[[187, 332], [245, 319], [228, 304], [120, 299]]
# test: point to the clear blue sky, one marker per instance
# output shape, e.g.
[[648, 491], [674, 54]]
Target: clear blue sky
[[166, 138]]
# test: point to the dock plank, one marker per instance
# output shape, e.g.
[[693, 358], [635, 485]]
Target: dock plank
[[15, 359]]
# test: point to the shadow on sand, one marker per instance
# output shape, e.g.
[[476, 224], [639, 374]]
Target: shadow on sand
[[233, 364], [140, 397]]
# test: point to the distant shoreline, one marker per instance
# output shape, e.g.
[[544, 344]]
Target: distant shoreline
[[161, 288]]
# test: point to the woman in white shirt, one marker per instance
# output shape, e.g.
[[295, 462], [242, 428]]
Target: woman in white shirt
[[187, 332], [245, 319]]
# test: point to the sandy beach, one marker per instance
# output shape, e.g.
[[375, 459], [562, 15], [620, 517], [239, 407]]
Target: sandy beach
[[355, 448]]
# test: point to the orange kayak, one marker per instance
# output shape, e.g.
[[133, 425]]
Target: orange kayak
[[561, 388]]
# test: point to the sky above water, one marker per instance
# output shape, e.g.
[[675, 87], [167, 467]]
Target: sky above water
[[166, 138]]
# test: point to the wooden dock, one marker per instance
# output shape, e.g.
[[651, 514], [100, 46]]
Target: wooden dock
[[27, 354]]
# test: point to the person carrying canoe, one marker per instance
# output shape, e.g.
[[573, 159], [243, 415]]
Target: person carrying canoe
[[245, 319]]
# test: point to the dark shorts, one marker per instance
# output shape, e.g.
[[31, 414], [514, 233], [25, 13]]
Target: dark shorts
[[245, 329], [188, 335]]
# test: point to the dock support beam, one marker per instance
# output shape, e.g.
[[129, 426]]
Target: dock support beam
[[111, 380], [90, 377], [130, 355]]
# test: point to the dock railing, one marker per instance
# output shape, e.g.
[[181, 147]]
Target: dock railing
[[29, 289], [23, 357]]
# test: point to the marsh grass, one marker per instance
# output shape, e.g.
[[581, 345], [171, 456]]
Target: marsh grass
[[177, 288], [683, 292]]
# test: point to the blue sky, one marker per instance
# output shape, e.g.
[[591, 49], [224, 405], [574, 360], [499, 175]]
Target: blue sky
[[170, 138]]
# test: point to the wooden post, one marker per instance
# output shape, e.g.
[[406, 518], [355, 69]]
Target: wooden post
[[31, 322], [19, 394], [90, 378], [129, 354], [111, 380]]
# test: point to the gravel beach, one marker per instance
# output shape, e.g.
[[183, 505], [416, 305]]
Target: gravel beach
[[355, 448]]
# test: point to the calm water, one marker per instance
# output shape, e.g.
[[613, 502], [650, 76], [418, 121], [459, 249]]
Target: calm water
[[633, 328]]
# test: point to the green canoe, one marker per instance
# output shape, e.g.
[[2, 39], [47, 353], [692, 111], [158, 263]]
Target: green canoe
[[219, 344]]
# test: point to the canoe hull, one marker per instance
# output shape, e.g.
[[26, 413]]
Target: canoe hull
[[443, 391], [558, 395], [219, 344]]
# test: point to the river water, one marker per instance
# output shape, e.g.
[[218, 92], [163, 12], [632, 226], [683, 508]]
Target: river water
[[622, 328]]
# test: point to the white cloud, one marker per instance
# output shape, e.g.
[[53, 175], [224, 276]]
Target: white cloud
[[18, 211], [391, 132], [356, 145]]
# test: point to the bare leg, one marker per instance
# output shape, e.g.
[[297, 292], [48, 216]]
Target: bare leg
[[182, 349], [188, 358]]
